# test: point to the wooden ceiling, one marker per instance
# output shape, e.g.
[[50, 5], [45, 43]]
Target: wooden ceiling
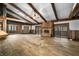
[[35, 13], [35, 10]]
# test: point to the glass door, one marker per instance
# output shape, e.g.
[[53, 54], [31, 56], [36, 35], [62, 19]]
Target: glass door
[[61, 30]]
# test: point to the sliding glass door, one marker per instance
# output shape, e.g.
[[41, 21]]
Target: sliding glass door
[[61, 30]]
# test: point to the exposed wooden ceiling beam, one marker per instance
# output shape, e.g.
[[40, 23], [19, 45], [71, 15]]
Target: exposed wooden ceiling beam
[[74, 11], [18, 15], [66, 19], [54, 9], [23, 12], [37, 11], [13, 19], [19, 21], [11, 16]]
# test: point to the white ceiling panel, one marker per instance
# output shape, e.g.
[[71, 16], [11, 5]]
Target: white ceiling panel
[[25, 7], [63, 9], [46, 10]]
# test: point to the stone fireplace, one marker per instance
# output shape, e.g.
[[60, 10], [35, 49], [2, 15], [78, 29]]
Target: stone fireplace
[[47, 29]]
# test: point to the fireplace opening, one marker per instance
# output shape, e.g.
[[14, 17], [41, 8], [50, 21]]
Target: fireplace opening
[[46, 31]]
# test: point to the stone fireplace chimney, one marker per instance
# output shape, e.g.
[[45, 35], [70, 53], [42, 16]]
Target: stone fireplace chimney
[[47, 29]]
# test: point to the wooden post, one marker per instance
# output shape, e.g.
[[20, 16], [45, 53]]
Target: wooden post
[[19, 28], [73, 35], [30, 29], [5, 25], [3, 16]]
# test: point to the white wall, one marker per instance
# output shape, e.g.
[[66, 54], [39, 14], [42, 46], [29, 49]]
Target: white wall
[[73, 25]]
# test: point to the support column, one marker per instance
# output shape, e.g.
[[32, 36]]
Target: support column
[[3, 16], [19, 28], [30, 29], [5, 25], [73, 35]]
